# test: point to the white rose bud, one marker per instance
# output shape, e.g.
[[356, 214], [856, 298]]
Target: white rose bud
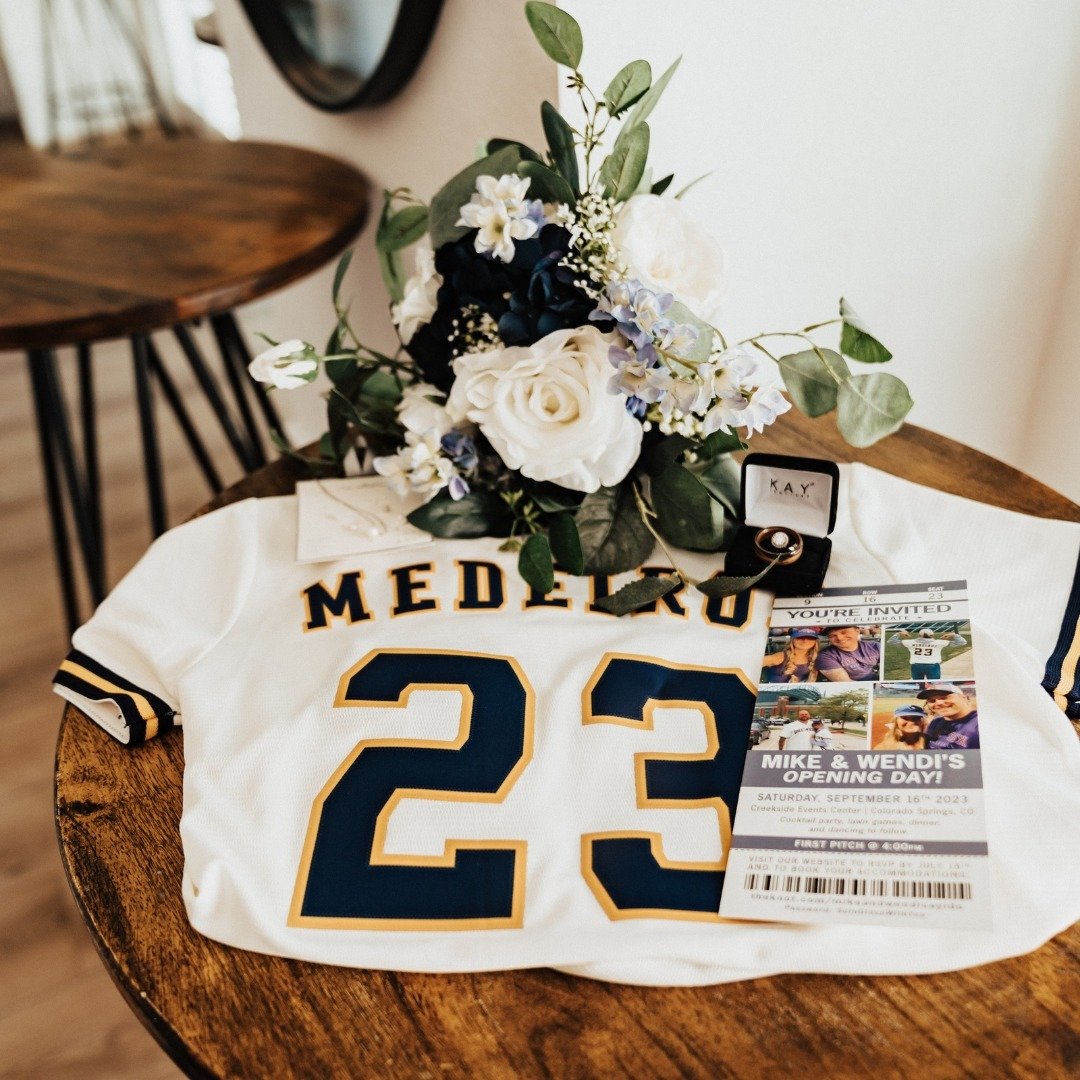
[[286, 366], [665, 248], [420, 414], [546, 410], [420, 295]]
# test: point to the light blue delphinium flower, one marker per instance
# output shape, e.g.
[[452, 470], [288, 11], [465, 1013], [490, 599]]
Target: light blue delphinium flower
[[635, 375], [458, 488], [635, 309], [675, 338]]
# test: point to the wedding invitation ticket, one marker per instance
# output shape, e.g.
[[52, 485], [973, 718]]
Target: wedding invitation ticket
[[862, 795]]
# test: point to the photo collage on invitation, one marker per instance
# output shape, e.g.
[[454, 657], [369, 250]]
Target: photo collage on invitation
[[878, 668]]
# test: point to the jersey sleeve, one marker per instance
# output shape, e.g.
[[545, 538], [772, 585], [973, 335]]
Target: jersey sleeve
[[175, 605]]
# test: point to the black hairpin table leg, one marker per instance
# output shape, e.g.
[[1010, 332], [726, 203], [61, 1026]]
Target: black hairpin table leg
[[183, 418], [249, 456], [61, 540], [235, 354], [155, 485], [72, 472], [91, 466], [239, 381]]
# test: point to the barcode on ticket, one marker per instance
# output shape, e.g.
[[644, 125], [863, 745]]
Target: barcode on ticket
[[841, 886]]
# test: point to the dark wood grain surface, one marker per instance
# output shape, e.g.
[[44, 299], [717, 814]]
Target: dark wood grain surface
[[224, 1012], [134, 237]]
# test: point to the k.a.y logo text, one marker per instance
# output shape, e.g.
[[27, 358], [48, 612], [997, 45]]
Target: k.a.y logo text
[[798, 490]]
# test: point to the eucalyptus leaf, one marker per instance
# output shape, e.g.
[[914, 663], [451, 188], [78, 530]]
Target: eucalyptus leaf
[[380, 387], [721, 477], [685, 512], [333, 342], [663, 184], [557, 32], [628, 86], [665, 451], [623, 167], [446, 206], [869, 407], [527, 152], [553, 499], [340, 272], [392, 273], [340, 370], [704, 176], [727, 585], [473, 515], [566, 544], [546, 184], [856, 340], [561, 144], [534, 563], [721, 442], [637, 593], [648, 101], [813, 378], [613, 536], [702, 349], [401, 229]]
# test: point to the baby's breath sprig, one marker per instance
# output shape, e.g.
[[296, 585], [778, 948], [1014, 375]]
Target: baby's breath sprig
[[592, 256], [473, 330]]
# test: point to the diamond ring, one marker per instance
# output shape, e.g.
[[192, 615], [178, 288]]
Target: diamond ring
[[777, 542]]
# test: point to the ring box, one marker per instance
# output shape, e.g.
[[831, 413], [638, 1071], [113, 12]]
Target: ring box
[[794, 493]]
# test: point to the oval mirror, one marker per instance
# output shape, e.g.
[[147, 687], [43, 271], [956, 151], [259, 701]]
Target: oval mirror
[[343, 54]]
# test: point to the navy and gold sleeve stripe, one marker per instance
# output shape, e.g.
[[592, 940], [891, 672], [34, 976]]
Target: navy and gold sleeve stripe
[[144, 713], [1062, 678]]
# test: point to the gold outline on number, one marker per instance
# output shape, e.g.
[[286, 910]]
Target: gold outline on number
[[379, 856], [644, 802]]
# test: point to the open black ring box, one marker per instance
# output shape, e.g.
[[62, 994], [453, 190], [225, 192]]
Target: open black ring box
[[794, 493]]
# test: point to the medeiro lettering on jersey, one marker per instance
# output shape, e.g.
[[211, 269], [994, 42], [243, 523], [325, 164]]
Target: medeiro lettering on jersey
[[412, 761]]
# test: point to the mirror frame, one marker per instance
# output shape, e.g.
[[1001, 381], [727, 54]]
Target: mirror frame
[[409, 39]]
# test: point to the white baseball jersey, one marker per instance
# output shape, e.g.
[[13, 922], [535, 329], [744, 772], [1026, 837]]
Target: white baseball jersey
[[926, 650], [407, 760], [796, 736]]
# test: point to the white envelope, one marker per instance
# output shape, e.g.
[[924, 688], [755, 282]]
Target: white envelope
[[354, 515]]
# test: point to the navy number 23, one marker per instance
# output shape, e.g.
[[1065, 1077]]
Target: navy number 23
[[348, 880]]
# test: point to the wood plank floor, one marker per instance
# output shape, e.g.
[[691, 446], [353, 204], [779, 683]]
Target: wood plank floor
[[60, 1015]]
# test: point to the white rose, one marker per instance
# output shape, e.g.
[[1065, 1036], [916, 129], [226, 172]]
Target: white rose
[[420, 414], [285, 366], [421, 292], [669, 251], [546, 410]]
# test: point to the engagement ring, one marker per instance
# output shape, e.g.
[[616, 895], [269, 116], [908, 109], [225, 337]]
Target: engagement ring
[[777, 542]]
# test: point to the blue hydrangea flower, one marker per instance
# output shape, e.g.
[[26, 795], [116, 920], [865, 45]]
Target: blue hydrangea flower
[[460, 449]]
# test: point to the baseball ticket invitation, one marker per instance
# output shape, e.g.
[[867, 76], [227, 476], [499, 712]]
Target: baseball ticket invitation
[[862, 795]]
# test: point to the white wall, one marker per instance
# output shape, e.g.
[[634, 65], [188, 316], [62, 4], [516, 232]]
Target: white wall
[[482, 76], [920, 157], [8, 107]]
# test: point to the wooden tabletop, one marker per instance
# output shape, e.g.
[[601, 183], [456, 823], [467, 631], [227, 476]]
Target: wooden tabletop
[[138, 236], [224, 1012]]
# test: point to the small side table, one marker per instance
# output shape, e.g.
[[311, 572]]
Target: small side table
[[219, 1011], [139, 238]]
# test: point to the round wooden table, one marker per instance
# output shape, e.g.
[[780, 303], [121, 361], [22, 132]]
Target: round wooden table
[[129, 239], [224, 1012]]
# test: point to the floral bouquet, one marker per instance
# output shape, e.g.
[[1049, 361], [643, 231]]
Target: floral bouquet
[[562, 380]]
